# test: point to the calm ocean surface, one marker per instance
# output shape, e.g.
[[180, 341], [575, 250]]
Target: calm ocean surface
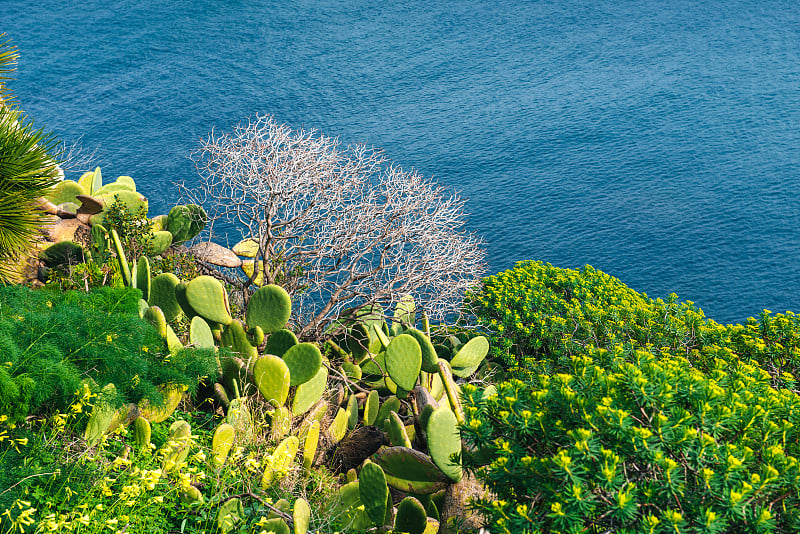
[[657, 141]]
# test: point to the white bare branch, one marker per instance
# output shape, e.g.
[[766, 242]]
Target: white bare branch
[[337, 227]]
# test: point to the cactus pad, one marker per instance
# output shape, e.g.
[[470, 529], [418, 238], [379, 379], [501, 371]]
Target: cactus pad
[[270, 307], [102, 415], [338, 427], [155, 317], [208, 298], [230, 514], [177, 448], [281, 422], [280, 341], [160, 241], [429, 356], [65, 191], [282, 459], [373, 490], [221, 443], [91, 181], [397, 431], [469, 356], [310, 444], [392, 404], [180, 296], [174, 345], [172, 393], [308, 393], [185, 222], [404, 312], [303, 361], [404, 361], [141, 433], [162, 294], [371, 407], [411, 517], [271, 376], [255, 336], [410, 470], [235, 338], [200, 334], [143, 277], [301, 514], [352, 412], [444, 440]]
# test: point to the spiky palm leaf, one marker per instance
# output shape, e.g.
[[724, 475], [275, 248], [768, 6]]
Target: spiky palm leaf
[[8, 61], [27, 170]]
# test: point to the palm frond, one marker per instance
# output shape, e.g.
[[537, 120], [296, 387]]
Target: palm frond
[[8, 64]]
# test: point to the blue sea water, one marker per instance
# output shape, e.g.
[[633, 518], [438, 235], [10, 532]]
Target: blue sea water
[[657, 141]]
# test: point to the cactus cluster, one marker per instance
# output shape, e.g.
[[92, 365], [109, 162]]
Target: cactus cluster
[[88, 201], [420, 414], [393, 377]]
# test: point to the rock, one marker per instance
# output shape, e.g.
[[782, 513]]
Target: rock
[[215, 255], [46, 206], [84, 217], [89, 205], [66, 230]]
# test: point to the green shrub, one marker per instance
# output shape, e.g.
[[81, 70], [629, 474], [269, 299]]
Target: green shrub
[[633, 415], [51, 342]]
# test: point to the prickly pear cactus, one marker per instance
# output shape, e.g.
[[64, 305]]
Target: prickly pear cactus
[[208, 298], [371, 407], [352, 412], [270, 307], [271, 376], [200, 333], [410, 470], [404, 361], [143, 277], [338, 427], [301, 516], [221, 443], [185, 222], [282, 459], [230, 514], [444, 440], [172, 393], [411, 517], [469, 356], [280, 341], [304, 361], [429, 356], [177, 448], [308, 393], [404, 312], [281, 422], [392, 404], [310, 444], [155, 317], [234, 337], [397, 431], [373, 492], [162, 294], [141, 433]]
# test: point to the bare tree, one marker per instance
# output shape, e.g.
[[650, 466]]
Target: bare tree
[[336, 227]]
